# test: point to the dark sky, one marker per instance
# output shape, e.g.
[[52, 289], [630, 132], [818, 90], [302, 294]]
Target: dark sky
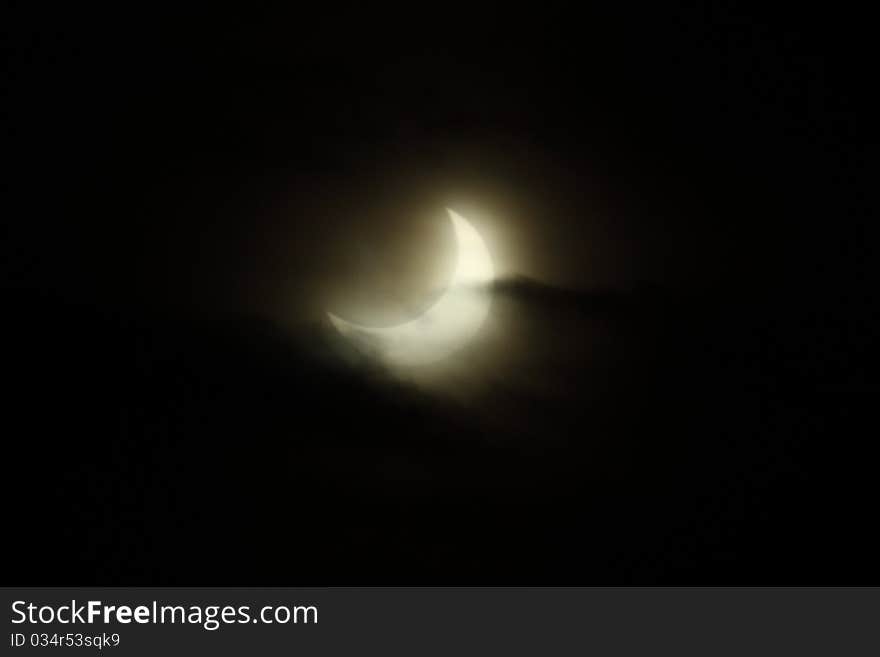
[[665, 146], [673, 382]]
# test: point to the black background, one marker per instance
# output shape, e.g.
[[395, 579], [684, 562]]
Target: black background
[[150, 442]]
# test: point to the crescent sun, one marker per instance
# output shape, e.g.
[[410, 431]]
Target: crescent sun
[[447, 325]]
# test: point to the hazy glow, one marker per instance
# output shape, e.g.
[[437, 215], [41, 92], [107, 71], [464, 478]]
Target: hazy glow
[[449, 323]]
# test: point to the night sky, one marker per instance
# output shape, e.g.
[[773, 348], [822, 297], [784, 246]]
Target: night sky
[[677, 383]]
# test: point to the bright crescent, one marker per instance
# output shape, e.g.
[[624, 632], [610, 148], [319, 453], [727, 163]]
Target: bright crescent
[[447, 325]]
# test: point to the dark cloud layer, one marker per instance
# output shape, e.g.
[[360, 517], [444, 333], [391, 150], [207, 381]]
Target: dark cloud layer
[[230, 449]]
